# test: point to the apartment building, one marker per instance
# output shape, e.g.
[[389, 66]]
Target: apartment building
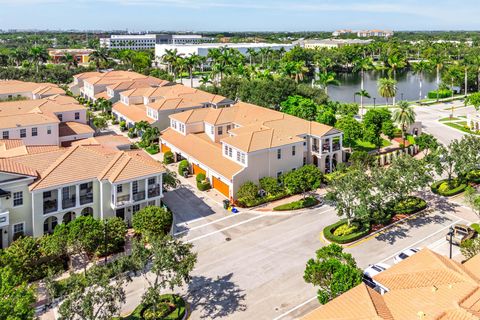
[[244, 142], [364, 33], [333, 43], [148, 41], [81, 56], [155, 104], [50, 185], [14, 89], [425, 286], [50, 120]]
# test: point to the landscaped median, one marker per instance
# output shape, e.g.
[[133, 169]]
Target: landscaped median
[[342, 233], [448, 188], [296, 205], [171, 307]]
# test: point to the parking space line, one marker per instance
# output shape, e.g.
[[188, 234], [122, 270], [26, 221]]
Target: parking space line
[[181, 224], [295, 308], [209, 223], [226, 228]]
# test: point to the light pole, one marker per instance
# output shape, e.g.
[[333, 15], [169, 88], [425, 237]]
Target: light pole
[[374, 102], [450, 233]]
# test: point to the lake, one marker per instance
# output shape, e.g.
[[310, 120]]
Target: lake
[[408, 85]]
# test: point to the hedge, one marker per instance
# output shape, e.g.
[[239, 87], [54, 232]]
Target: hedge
[[261, 200], [409, 205], [442, 94], [328, 232], [175, 314], [474, 176], [183, 166], [153, 149], [295, 205], [435, 187], [168, 157]]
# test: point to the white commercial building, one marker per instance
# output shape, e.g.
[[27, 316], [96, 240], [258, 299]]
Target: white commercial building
[[148, 41]]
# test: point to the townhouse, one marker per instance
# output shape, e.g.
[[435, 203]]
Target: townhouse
[[155, 104], [425, 286], [53, 120], [14, 89], [244, 142], [44, 186]]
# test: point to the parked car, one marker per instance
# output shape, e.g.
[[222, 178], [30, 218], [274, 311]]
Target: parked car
[[372, 271], [405, 254], [461, 233]]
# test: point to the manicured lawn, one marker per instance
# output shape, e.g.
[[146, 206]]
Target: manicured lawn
[[295, 205], [448, 119], [176, 314], [460, 126], [367, 146]]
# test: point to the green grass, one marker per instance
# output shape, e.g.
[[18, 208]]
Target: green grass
[[411, 139], [177, 314], [448, 119], [295, 205], [460, 126], [367, 146]]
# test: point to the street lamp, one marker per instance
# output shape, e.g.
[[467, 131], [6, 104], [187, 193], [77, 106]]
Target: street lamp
[[450, 234], [374, 102]]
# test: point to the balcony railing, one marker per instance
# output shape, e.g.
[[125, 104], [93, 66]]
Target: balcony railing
[[121, 200], [336, 146], [50, 206], [154, 192], [315, 148], [326, 147], [86, 198], [139, 196], [69, 203]]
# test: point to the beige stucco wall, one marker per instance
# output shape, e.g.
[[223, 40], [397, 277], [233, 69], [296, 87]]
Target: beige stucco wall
[[41, 139]]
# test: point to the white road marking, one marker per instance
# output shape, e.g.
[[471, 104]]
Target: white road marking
[[209, 223], [223, 229], [297, 307], [181, 224]]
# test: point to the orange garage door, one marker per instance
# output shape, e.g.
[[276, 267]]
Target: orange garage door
[[165, 148], [221, 186], [197, 170]]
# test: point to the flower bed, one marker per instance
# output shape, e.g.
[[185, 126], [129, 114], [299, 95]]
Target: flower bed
[[362, 230], [409, 205], [172, 307], [474, 176], [295, 205], [444, 189]]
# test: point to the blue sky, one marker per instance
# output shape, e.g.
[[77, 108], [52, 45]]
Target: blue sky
[[240, 15]]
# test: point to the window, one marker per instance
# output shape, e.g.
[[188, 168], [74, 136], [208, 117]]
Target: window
[[5, 135], [212, 129], [238, 156], [77, 115], [229, 127], [34, 132], [220, 130], [242, 160], [304, 160], [230, 152], [17, 199], [49, 130], [279, 174], [18, 230], [119, 188], [151, 181], [23, 133], [136, 208], [293, 150], [60, 117], [135, 186], [279, 153], [226, 150]]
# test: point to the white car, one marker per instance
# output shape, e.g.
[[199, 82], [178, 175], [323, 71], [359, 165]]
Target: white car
[[372, 271], [405, 254]]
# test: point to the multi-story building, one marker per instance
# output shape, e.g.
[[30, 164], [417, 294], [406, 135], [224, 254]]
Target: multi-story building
[[15, 90], [155, 104], [364, 33], [425, 286], [203, 49], [53, 185], [233, 145], [148, 41], [333, 43], [81, 56]]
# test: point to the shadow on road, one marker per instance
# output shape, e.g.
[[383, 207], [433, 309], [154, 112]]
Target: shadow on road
[[215, 298]]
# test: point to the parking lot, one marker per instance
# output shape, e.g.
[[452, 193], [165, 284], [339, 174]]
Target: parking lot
[[250, 264]]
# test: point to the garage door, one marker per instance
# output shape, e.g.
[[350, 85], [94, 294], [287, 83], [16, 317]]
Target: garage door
[[197, 170], [165, 148], [221, 187]]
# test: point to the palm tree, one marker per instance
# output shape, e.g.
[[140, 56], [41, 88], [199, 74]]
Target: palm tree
[[387, 88], [438, 61], [362, 65], [170, 57], [38, 55], [192, 62], [99, 56], [252, 53], [420, 68], [363, 94], [204, 80], [403, 116], [17, 56], [69, 60], [395, 62], [326, 79], [179, 67]]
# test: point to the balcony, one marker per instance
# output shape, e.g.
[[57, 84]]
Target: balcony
[[4, 218], [50, 206], [122, 200], [154, 191], [69, 202], [326, 147], [315, 148], [336, 146], [86, 198], [139, 196]]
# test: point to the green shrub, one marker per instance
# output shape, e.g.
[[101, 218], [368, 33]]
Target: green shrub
[[345, 230], [474, 176], [153, 149], [152, 220], [260, 200], [295, 205], [115, 121], [270, 185], [143, 312], [476, 227], [443, 187], [409, 205], [200, 177], [168, 157], [248, 191], [360, 233], [442, 94], [183, 166], [123, 126], [204, 185]]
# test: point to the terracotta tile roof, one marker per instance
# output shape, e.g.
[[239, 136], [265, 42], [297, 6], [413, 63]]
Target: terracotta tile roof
[[103, 95], [111, 141], [8, 166], [191, 116], [425, 286], [138, 83], [134, 112], [16, 147], [7, 144], [71, 128], [23, 120], [14, 87], [202, 149]]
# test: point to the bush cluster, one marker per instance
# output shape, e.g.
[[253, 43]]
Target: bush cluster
[[168, 157], [202, 183], [295, 205], [328, 232], [153, 149], [409, 205], [442, 94], [183, 166], [474, 176], [443, 188]]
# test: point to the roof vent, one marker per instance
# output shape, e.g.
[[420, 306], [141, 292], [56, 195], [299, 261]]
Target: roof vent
[[434, 289], [421, 315]]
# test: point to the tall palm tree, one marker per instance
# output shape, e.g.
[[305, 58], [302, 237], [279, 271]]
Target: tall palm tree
[[99, 56], [170, 57], [38, 55], [179, 67], [69, 60], [395, 62], [403, 116], [326, 79], [192, 62], [362, 65], [438, 61], [252, 53], [420, 68], [363, 94], [18, 55], [387, 88]]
